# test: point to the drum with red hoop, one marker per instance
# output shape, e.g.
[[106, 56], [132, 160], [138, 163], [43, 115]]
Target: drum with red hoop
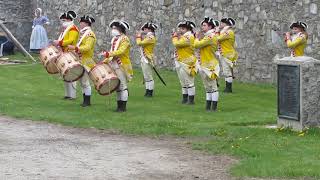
[[69, 66], [48, 57], [104, 79]]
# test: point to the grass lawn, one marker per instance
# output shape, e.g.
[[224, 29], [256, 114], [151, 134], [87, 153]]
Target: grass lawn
[[237, 129]]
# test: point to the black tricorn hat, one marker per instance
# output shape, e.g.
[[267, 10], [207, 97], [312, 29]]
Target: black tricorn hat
[[87, 19], [228, 21], [68, 15], [210, 21], [122, 25], [188, 24], [149, 25], [299, 24]]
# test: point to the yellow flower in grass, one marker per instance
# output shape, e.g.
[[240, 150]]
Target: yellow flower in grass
[[235, 146]]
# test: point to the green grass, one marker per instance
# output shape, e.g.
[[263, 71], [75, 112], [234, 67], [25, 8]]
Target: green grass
[[20, 56], [236, 129]]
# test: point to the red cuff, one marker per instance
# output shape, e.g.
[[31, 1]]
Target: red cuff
[[77, 49], [60, 43], [119, 61], [106, 54], [286, 39], [138, 37]]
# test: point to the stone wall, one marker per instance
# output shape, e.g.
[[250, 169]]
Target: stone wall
[[259, 29], [18, 14]]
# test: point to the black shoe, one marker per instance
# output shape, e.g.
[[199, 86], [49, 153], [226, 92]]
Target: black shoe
[[208, 105], [122, 106], [86, 101], [228, 88], [66, 97], [150, 93], [184, 98], [147, 92], [118, 106], [191, 100], [214, 105]]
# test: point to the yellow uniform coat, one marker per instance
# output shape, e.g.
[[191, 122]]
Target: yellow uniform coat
[[70, 38], [86, 49], [226, 41], [120, 50], [185, 51], [298, 43], [147, 44], [208, 46]]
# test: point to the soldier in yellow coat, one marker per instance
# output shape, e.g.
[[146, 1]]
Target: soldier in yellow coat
[[119, 59], [85, 49], [209, 65], [298, 41], [147, 42], [227, 51], [183, 41], [69, 36]]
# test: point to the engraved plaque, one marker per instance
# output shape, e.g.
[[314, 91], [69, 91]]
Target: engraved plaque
[[289, 92]]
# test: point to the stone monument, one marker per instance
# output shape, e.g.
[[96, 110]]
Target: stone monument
[[298, 92]]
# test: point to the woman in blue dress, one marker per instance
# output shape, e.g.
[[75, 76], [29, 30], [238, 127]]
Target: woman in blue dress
[[39, 38]]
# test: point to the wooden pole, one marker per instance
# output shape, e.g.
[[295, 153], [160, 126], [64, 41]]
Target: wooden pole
[[15, 41]]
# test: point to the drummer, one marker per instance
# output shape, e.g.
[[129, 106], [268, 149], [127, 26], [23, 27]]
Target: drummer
[[69, 36], [119, 59], [85, 49]]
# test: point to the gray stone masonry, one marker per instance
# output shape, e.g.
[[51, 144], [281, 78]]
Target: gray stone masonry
[[18, 14]]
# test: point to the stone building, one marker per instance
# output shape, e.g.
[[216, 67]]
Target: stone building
[[260, 25]]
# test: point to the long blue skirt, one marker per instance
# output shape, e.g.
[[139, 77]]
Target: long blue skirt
[[39, 38]]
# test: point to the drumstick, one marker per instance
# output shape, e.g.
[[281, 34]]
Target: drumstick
[[107, 60]]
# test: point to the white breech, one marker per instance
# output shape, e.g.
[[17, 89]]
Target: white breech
[[191, 91], [227, 66], [186, 81], [70, 89], [85, 84], [147, 73], [149, 85], [229, 79], [122, 91], [210, 86], [215, 96]]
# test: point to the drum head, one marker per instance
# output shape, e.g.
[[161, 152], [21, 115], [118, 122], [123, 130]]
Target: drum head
[[51, 68], [108, 86], [48, 56], [73, 74]]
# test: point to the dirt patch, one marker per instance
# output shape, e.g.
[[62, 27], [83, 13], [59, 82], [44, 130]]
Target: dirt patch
[[38, 150]]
